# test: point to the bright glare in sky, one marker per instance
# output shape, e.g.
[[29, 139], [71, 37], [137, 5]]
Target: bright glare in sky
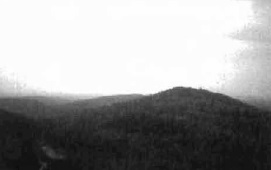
[[121, 46]]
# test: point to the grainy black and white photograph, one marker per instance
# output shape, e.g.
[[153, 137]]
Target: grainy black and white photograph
[[135, 85]]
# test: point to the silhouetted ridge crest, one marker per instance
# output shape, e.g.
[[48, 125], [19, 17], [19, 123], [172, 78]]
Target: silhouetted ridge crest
[[179, 93], [180, 100]]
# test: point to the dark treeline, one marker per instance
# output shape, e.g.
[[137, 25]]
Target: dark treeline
[[181, 128]]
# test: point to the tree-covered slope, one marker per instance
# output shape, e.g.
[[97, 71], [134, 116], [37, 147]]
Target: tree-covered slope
[[22, 141], [17, 136], [180, 128]]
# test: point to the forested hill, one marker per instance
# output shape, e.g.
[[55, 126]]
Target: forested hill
[[180, 128], [178, 102]]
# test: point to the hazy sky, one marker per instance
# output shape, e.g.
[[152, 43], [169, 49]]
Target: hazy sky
[[134, 46]]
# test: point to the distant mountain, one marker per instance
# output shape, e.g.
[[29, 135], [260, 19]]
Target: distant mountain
[[260, 102], [51, 107], [31, 107], [53, 100], [50, 100], [104, 101]]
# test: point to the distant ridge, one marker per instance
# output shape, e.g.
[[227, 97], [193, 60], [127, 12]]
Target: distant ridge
[[34, 107], [259, 102], [104, 101], [50, 100], [54, 106]]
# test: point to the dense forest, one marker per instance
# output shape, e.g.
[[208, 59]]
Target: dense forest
[[180, 128]]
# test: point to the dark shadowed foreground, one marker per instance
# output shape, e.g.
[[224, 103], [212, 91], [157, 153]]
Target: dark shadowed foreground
[[181, 128]]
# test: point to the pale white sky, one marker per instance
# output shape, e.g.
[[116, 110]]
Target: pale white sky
[[120, 46]]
